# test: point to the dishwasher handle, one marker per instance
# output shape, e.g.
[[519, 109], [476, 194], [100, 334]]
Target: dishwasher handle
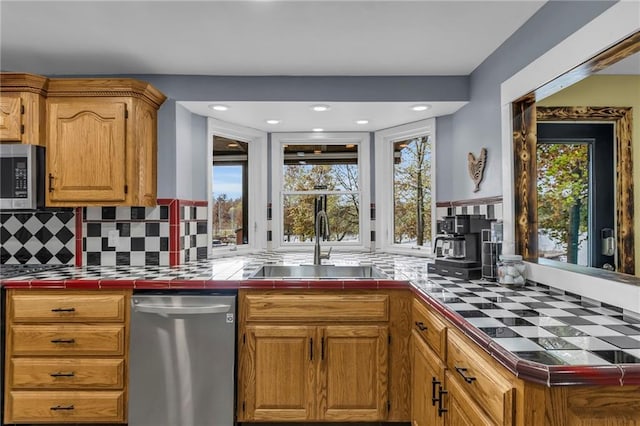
[[165, 310]]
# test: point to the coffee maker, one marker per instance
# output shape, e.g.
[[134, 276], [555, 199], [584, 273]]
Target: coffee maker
[[458, 246]]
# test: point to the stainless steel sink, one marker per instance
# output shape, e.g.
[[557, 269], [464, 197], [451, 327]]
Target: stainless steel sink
[[318, 271]]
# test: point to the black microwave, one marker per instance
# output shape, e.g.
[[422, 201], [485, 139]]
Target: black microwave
[[22, 173]]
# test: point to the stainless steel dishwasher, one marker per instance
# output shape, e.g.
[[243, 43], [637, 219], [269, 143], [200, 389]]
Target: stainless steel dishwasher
[[182, 359]]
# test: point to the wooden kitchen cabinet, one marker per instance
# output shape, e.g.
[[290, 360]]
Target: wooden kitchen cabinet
[[426, 385], [320, 356], [66, 356], [284, 372], [462, 410], [102, 142], [23, 108]]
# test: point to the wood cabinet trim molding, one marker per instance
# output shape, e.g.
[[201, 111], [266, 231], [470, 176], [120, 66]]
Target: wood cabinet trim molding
[[106, 87], [23, 82]]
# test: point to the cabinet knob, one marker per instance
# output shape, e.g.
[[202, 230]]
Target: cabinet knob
[[440, 409], [421, 326], [61, 374], [62, 407], [462, 371], [434, 383], [63, 341], [63, 310]]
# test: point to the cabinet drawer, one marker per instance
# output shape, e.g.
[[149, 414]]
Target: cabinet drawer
[[316, 307], [60, 307], [432, 329], [65, 407], [481, 379], [65, 373], [62, 339]]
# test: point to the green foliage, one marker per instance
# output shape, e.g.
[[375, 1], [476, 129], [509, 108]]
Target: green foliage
[[412, 192], [227, 217], [563, 192], [343, 209]]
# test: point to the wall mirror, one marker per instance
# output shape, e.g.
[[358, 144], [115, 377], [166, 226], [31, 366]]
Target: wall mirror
[[576, 140]]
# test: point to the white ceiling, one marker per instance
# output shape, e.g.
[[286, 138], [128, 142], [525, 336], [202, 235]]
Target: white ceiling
[[295, 37], [342, 116]]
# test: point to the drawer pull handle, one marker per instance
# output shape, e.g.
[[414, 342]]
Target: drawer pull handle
[[63, 310], [421, 326], [440, 409], [63, 341], [434, 382], [51, 182], [461, 371], [62, 407], [61, 374]]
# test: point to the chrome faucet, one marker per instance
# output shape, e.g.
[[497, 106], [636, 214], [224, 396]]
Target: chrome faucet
[[321, 217]]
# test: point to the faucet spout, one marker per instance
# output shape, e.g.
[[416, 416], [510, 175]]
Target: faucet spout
[[321, 219]]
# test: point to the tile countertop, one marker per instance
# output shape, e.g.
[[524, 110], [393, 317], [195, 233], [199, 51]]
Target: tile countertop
[[539, 333]]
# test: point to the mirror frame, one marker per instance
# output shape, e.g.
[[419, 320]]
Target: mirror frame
[[525, 116]]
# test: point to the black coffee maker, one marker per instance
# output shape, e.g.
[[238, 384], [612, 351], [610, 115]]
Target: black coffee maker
[[458, 245]]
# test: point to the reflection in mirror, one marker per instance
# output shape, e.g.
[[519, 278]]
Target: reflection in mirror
[[576, 187], [563, 179]]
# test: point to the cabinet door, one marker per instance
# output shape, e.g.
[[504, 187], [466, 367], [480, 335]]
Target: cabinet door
[[461, 409], [353, 373], [10, 117], [279, 381], [427, 379], [86, 151]]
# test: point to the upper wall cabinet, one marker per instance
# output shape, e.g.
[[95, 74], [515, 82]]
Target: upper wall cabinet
[[102, 142], [22, 108]]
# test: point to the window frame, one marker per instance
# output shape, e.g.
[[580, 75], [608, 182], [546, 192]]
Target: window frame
[[384, 180], [256, 187], [363, 141]]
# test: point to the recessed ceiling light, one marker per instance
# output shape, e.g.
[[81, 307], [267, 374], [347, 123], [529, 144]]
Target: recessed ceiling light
[[318, 129], [317, 151], [273, 121], [219, 107], [233, 145], [350, 145], [362, 121], [420, 107], [321, 108]]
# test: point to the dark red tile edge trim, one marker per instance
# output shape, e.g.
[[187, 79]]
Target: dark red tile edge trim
[[194, 203], [79, 250]]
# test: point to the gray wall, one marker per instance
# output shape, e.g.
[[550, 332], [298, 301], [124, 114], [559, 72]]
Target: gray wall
[[167, 149], [182, 135], [191, 154], [477, 124]]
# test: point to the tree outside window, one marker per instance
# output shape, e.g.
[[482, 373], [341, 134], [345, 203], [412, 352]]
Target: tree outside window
[[412, 193]]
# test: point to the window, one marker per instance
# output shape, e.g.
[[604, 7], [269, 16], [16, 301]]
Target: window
[[412, 191], [405, 187], [238, 186], [229, 213], [320, 172]]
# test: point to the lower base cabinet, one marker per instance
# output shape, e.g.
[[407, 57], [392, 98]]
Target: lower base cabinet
[[427, 385], [303, 360], [66, 406], [461, 409], [66, 356]]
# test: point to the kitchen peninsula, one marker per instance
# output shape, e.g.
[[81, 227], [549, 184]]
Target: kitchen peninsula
[[483, 352]]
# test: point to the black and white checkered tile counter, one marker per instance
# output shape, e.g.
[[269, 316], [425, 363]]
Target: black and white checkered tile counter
[[535, 323]]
